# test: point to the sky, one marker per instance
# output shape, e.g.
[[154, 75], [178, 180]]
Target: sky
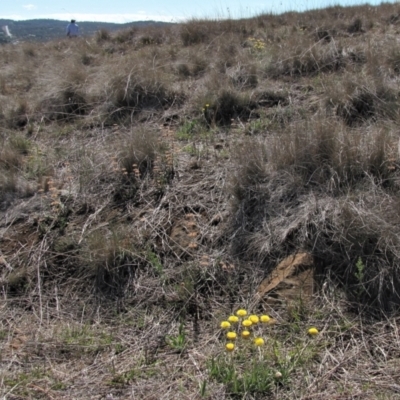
[[121, 11]]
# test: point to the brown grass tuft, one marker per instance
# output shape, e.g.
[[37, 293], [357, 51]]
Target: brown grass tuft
[[150, 179]]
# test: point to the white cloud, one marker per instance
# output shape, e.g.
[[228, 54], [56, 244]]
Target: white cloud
[[117, 18], [29, 6]]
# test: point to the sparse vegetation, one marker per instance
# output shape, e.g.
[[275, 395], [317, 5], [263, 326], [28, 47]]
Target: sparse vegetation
[[152, 178]]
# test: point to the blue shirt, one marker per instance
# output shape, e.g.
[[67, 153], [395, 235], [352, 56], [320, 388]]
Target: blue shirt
[[72, 29]]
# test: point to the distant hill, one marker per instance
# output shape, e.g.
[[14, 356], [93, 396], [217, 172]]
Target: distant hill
[[41, 30]]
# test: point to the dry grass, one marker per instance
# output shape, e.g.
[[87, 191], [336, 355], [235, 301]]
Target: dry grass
[[319, 187], [150, 179]]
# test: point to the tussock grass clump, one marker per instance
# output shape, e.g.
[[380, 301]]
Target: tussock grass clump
[[198, 31], [14, 171], [269, 98], [319, 58], [192, 64], [143, 161], [102, 35], [18, 117], [134, 92], [367, 103], [183, 70], [126, 35], [356, 26], [195, 32], [140, 151], [66, 97], [327, 154], [8, 187], [63, 105], [112, 262], [327, 190], [227, 105], [252, 170], [151, 179], [13, 152], [152, 35], [324, 34], [393, 60], [243, 77]]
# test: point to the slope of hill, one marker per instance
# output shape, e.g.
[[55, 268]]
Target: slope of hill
[[156, 180], [48, 29]]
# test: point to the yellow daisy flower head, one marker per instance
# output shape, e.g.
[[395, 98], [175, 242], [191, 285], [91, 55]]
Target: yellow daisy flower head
[[231, 335], [245, 334], [241, 313], [247, 323], [254, 319], [313, 331], [259, 341], [265, 319], [233, 319], [225, 325], [230, 347]]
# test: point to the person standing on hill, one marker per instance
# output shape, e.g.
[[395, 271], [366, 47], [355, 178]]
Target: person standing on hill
[[72, 29]]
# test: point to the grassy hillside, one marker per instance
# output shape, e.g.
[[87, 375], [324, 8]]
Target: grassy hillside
[[151, 179]]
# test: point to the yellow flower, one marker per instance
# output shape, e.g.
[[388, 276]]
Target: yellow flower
[[259, 341], [254, 319], [241, 313], [313, 331], [230, 347], [247, 323], [265, 318], [207, 105], [231, 335], [225, 325], [245, 334], [233, 319]]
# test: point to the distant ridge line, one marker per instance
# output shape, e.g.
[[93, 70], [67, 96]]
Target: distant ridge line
[[42, 30]]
